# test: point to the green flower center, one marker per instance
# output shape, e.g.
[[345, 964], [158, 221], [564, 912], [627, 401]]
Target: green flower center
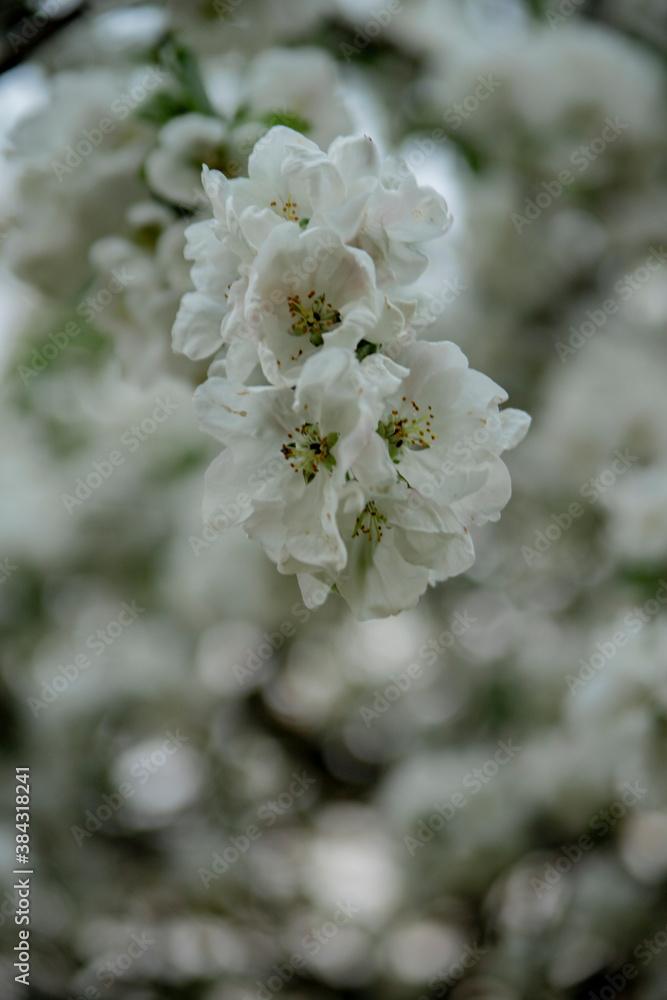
[[407, 431], [313, 319], [371, 523], [307, 451]]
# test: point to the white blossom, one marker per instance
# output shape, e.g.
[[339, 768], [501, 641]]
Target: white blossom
[[352, 471], [289, 455], [437, 474], [307, 290]]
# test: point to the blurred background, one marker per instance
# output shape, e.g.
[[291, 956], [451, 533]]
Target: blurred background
[[233, 798]]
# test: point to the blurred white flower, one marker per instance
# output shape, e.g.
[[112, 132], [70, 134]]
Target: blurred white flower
[[173, 168], [637, 524], [77, 180], [299, 84]]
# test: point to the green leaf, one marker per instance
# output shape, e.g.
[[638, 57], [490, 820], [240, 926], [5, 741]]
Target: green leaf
[[185, 68], [288, 118], [162, 107]]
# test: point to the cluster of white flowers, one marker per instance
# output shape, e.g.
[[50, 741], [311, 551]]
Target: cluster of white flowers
[[358, 457]]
